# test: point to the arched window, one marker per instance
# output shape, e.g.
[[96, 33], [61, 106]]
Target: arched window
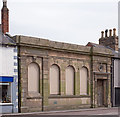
[[70, 74], [83, 81], [33, 77], [54, 79]]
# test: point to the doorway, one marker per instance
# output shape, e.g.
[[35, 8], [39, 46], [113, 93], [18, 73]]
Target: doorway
[[100, 93]]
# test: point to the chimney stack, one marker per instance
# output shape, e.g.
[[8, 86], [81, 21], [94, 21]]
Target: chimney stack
[[5, 17], [110, 40]]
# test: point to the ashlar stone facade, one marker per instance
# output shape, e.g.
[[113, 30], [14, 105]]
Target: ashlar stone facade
[[69, 76]]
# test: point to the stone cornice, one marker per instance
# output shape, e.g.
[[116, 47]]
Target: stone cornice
[[33, 42]]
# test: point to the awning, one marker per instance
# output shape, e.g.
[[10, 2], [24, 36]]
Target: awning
[[6, 79]]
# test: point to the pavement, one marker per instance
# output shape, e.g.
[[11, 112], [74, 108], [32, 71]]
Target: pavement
[[91, 112]]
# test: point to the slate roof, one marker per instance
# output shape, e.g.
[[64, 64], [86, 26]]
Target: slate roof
[[6, 39], [98, 46], [115, 53]]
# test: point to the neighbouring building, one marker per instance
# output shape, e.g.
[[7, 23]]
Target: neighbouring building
[[111, 42], [8, 67], [115, 79]]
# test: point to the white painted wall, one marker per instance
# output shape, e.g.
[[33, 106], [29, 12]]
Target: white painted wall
[[6, 61], [8, 56]]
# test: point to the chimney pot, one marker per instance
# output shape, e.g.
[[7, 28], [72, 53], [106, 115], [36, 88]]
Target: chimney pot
[[110, 32], [4, 3], [102, 34], [106, 31], [114, 31]]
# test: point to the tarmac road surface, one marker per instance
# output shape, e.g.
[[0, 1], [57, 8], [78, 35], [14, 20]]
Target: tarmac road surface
[[97, 112]]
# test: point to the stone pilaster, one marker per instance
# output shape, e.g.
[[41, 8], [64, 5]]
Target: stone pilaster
[[109, 87], [45, 77], [62, 83], [95, 93], [77, 83], [23, 84]]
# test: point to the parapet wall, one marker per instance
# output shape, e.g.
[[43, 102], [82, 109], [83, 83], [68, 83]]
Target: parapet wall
[[59, 46]]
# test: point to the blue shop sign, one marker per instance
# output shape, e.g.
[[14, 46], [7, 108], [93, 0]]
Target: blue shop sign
[[6, 79]]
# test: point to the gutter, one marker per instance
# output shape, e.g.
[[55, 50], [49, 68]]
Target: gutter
[[91, 76], [19, 79], [42, 87]]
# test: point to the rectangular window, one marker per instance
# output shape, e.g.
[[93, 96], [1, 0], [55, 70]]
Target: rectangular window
[[5, 91], [15, 64], [15, 57], [15, 49], [15, 70]]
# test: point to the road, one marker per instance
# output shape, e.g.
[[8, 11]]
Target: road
[[98, 112]]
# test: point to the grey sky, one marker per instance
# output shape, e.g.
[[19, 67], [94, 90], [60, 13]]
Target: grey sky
[[71, 21]]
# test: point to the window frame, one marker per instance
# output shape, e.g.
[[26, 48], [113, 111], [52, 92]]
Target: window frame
[[9, 84]]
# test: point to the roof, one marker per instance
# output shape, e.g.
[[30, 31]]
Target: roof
[[115, 53], [6, 39], [95, 45], [98, 45]]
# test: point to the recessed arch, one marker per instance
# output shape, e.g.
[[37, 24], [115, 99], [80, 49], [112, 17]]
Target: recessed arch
[[33, 77], [70, 80], [83, 80], [54, 79]]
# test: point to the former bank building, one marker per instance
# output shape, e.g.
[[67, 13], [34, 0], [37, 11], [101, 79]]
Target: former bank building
[[59, 76]]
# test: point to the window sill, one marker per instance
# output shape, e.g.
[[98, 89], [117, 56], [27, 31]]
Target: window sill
[[6, 104], [28, 97], [69, 96], [34, 95]]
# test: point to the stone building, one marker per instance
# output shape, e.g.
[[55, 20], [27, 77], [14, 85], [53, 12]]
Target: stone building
[[111, 42], [55, 75]]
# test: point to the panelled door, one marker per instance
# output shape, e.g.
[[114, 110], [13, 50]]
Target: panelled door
[[100, 93]]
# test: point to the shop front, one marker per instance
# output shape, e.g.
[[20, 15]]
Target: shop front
[[6, 94], [8, 99]]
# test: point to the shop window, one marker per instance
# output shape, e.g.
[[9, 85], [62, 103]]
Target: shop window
[[70, 74], [5, 93], [54, 79], [83, 81]]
